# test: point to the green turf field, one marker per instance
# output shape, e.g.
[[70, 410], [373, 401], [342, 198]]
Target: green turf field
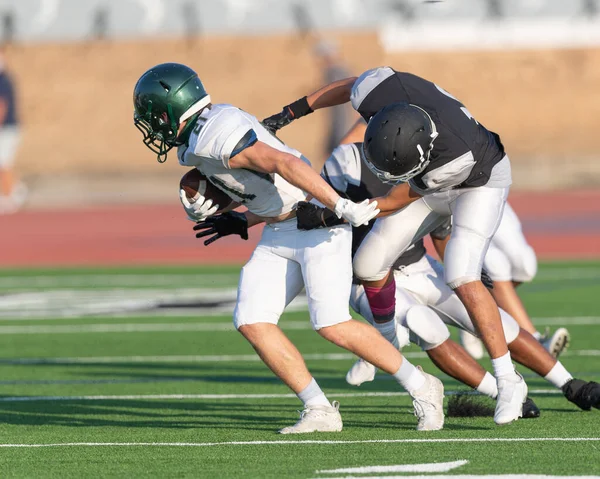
[[141, 389]]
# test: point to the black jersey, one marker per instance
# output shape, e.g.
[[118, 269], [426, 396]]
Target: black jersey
[[463, 154], [345, 171]]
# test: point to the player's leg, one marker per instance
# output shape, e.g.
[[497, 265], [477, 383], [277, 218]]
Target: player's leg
[[476, 215], [525, 350], [363, 371], [268, 282], [327, 272], [389, 237], [511, 261]]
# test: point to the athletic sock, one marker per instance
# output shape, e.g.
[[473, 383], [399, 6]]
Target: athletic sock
[[388, 331], [409, 377], [312, 395], [537, 335], [488, 386], [558, 375], [503, 366], [382, 301]]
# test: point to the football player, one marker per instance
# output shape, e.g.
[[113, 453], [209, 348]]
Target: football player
[[424, 302], [240, 157], [443, 163]]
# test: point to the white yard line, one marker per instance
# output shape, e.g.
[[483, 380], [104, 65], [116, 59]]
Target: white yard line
[[135, 397], [217, 358], [315, 441], [118, 280], [465, 476], [215, 326], [209, 358], [136, 327], [429, 467]]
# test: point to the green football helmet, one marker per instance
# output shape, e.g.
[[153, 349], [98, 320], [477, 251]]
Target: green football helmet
[[163, 98]]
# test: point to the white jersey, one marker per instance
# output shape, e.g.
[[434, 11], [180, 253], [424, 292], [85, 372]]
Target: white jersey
[[216, 139]]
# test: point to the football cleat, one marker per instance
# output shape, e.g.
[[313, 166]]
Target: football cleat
[[317, 419], [472, 344], [428, 402], [557, 342], [530, 409], [583, 394], [512, 393], [361, 372]]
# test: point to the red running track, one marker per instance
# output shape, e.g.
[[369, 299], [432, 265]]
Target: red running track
[[558, 225]]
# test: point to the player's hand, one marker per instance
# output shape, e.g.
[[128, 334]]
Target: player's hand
[[200, 209], [310, 216], [230, 223], [291, 112], [356, 214], [486, 280], [275, 122]]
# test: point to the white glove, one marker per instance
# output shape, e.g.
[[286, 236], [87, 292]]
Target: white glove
[[356, 214], [200, 209]]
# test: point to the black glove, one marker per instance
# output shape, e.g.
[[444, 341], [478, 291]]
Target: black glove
[[486, 280], [291, 112], [310, 216], [230, 223]]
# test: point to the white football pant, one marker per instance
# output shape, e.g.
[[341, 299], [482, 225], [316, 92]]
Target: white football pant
[[286, 260], [509, 257], [476, 214]]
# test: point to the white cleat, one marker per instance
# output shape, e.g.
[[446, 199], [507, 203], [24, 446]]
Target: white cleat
[[361, 372], [512, 393], [317, 419], [557, 343], [472, 345], [428, 402]]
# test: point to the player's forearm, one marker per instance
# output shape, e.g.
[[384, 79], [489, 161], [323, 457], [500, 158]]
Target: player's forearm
[[253, 219], [397, 198], [301, 175], [335, 93]]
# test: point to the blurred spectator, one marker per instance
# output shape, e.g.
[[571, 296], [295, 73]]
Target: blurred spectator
[[12, 192], [332, 68]]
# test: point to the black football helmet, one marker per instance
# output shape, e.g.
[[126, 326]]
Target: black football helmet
[[398, 142]]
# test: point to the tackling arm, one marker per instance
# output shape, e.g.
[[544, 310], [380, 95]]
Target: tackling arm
[[265, 159], [332, 94], [397, 198]]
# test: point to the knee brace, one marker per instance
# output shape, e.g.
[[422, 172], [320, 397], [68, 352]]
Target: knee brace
[[510, 326], [427, 326]]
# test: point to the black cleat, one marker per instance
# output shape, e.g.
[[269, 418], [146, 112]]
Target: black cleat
[[530, 410], [583, 394]]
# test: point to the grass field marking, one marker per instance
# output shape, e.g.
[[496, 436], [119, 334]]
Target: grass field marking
[[183, 358], [216, 358], [214, 326], [466, 476], [119, 280], [314, 441], [430, 467], [135, 397]]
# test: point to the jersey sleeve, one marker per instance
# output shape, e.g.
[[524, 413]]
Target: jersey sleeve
[[225, 136], [449, 175], [342, 168], [370, 91]]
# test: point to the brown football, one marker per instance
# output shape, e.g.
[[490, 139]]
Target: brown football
[[195, 183]]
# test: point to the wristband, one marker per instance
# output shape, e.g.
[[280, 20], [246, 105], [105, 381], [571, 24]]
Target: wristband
[[300, 108]]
